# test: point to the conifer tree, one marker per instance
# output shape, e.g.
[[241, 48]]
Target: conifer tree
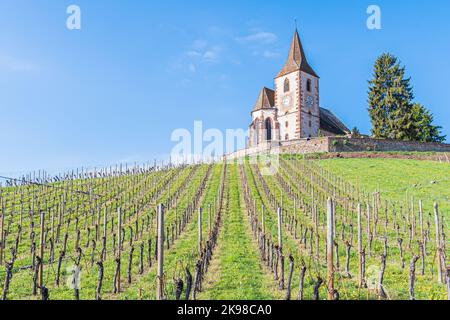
[[355, 132], [390, 101], [423, 120], [392, 111]]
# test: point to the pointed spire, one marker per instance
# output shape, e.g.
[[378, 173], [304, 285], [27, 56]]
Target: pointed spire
[[265, 99], [296, 59]]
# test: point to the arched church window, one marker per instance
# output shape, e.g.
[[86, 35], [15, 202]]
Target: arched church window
[[308, 85], [286, 137], [268, 124], [286, 85]]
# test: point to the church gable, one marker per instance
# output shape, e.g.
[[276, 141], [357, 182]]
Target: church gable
[[266, 99]]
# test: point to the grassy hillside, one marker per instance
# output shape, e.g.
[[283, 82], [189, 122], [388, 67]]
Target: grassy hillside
[[245, 251], [395, 178]]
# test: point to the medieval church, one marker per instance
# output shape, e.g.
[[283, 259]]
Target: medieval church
[[293, 110]]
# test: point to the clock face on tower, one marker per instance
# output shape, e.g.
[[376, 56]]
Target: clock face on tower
[[286, 102], [309, 101]]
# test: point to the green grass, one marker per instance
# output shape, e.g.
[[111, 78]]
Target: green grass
[[184, 252], [290, 246], [236, 272], [397, 178], [425, 180]]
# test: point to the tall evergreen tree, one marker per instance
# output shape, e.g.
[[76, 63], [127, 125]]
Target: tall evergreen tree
[[392, 111], [390, 101], [423, 119]]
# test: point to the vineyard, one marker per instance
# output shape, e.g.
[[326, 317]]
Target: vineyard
[[310, 230]]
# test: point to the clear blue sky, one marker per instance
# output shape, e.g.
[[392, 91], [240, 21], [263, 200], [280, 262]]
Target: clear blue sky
[[115, 90]]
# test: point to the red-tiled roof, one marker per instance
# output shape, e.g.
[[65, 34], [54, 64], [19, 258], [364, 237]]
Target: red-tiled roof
[[330, 122], [296, 59], [266, 99]]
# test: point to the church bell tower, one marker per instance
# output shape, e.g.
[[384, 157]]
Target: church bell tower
[[297, 95]]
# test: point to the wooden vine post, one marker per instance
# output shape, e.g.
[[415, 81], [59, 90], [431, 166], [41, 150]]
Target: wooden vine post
[[200, 231], [280, 239], [119, 244], [438, 241], [41, 248], [97, 224], [104, 222], [214, 205], [369, 233], [281, 199], [262, 219], [295, 218], [209, 220], [421, 220], [448, 283], [160, 270], [1, 236], [330, 242], [413, 218], [360, 280]]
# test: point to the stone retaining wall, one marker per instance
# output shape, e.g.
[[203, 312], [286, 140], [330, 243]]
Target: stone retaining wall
[[339, 144], [342, 144]]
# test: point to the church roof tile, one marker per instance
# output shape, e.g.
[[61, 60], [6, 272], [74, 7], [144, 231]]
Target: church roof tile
[[296, 59], [330, 122], [266, 99]]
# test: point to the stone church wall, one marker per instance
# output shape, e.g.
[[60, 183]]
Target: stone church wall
[[339, 144], [314, 145]]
